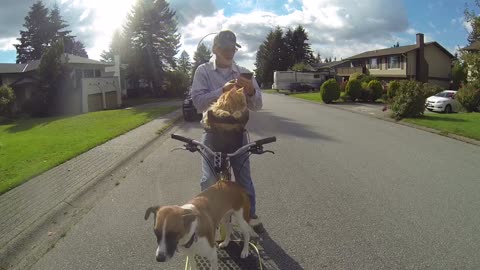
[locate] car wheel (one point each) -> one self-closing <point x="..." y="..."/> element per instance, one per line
<point x="448" y="109"/>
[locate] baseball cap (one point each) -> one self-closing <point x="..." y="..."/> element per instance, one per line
<point x="226" y="38"/>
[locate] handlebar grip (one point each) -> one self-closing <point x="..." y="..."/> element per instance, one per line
<point x="266" y="140"/>
<point x="181" y="138"/>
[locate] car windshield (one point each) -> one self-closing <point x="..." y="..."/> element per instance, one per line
<point x="444" y="94"/>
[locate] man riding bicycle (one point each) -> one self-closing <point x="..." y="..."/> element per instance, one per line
<point x="209" y="82"/>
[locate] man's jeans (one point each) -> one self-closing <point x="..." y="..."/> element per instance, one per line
<point x="242" y="177"/>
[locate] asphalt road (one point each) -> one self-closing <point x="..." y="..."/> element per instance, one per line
<point x="343" y="191"/>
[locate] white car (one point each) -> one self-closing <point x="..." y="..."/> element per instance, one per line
<point x="443" y="102"/>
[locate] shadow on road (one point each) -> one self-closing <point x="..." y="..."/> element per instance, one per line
<point x="269" y="124"/>
<point x="274" y="257"/>
<point x="264" y="124"/>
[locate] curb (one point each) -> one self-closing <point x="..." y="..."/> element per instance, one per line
<point x="54" y="224"/>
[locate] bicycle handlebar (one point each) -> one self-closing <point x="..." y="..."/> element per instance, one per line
<point x="241" y="150"/>
<point x="181" y="138"/>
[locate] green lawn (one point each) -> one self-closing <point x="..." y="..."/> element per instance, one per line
<point x="464" y="124"/>
<point x="30" y="147"/>
<point x="272" y="91"/>
<point x="315" y="96"/>
<point x="130" y="102"/>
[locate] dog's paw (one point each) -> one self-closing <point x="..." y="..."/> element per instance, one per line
<point x="244" y="253"/>
<point x="224" y="244"/>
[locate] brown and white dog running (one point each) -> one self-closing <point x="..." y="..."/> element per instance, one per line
<point x="191" y="228"/>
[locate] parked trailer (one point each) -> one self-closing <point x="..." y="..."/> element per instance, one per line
<point x="297" y="81"/>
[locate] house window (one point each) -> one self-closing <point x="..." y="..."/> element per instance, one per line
<point x="97" y="73"/>
<point x="373" y="63"/>
<point x="394" y="61"/>
<point x="316" y="76"/>
<point x="88" y="73"/>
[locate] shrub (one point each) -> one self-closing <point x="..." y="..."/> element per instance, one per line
<point x="409" y="100"/>
<point x="356" y="76"/>
<point x="469" y="97"/>
<point x="353" y="89"/>
<point x="368" y="78"/>
<point x="365" y="93"/>
<point x="392" y="89"/>
<point x="330" y="91"/>
<point x="7" y="98"/>
<point x="362" y="77"/>
<point x="376" y="89"/>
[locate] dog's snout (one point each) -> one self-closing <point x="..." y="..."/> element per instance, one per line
<point x="161" y="258"/>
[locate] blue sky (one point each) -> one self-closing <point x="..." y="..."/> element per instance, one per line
<point x="337" y="28"/>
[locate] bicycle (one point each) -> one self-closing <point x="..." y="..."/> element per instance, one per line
<point x="222" y="170"/>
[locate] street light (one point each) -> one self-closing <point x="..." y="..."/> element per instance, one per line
<point x="214" y="33"/>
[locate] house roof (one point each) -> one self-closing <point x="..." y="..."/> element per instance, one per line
<point x="475" y="46"/>
<point x="33" y="65"/>
<point x="73" y="59"/>
<point x="329" y="64"/>
<point x="397" y="50"/>
<point x="11" y="68"/>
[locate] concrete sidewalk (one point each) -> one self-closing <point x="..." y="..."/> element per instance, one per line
<point x="26" y="209"/>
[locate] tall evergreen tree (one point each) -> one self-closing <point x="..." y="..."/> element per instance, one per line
<point x="298" y="47"/>
<point x="36" y="38"/>
<point x="201" y="55"/>
<point x="271" y="55"/>
<point x="318" y="59"/>
<point x="184" y="65"/>
<point x="117" y="47"/>
<point x="58" y="32"/>
<point x="151" y="30"/>
<point x="474" y="20"/>
<point x="75" y="47"/>
<point x="57" y="27"/>
<point x="44" y="28"/>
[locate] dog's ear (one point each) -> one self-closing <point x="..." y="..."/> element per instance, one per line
<point x="188" y="217"/>
<point x="150" y="210"/>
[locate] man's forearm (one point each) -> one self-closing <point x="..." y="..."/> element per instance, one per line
<point x="202" y="99"/>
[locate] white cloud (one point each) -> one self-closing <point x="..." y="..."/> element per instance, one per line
<point x="338" y="28"/>
<point x="6" y="44"/>
<point x="467" y="26"/>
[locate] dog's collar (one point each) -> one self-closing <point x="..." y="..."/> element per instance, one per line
<point x="190" y="242"/>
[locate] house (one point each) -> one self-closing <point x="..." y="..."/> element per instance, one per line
<point x="423" y="61"/>
<point x="93" y="85"/>
<point x="330" y="68"/>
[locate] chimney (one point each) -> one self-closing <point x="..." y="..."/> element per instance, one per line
<point x="420" y="40"/>
<point x="422" y="66"/>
